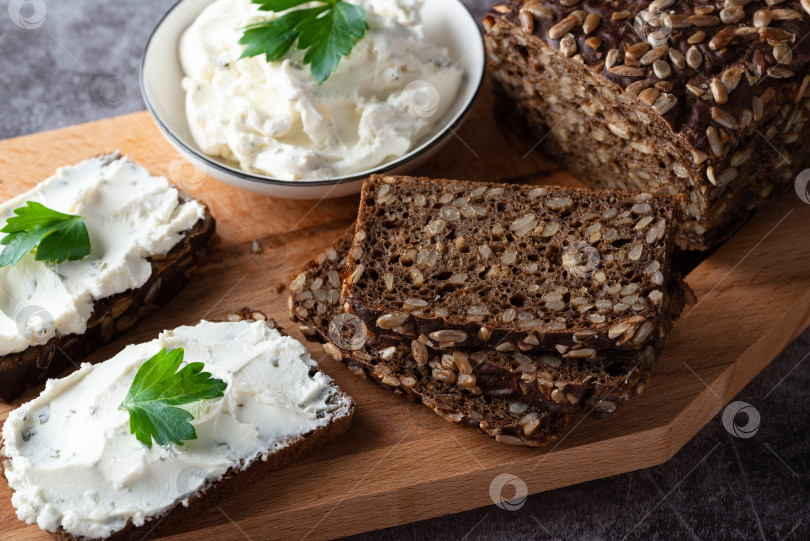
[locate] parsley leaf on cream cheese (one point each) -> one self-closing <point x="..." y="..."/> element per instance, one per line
<point x="55" y="236"/>
<point x="156" y="391"/>
<point x="327" y="32"/>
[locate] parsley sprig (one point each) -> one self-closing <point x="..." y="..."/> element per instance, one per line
<point x="327" y="32"/>
<point x="55" y="236"/>
<point x="157" y="388"/>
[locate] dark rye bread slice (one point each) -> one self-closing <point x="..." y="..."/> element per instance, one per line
<point x="598" y="383"/>
<point x="234" y="480"/>
<point x="111" y="316"/>
<point x="512" y="266"/>
<point x="506" y="421"/>
<point x="664" y="95"/>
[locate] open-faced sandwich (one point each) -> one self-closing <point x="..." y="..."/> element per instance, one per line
<point x="85" y="255"/>
<point x="127" y="448"/>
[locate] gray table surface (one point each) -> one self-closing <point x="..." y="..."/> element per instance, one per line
<point x="80" y="63"/>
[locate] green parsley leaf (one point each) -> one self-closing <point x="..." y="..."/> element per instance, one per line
<point x="274" y="38"/>
<point x="157" y="388"/>
<point x="327" y="33"/>
<point x="282" y="5"/>
<point x="55" y="236"/>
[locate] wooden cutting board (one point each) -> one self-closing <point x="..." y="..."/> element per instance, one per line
<point x="401" y="463"/>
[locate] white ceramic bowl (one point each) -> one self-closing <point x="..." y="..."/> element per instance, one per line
<point x="447" y="23"/>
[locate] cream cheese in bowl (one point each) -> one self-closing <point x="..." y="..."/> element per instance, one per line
<point x="272" y="118"/>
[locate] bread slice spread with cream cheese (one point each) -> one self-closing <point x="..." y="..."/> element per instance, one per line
<point x="146" y="239"/>
<point x="78" y="472"/>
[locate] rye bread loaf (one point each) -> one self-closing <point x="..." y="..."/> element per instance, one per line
<point x="112" y="315"/>
<point x="702" y="98"/>
<point x="234" y="480"/>
<point x="600" y="384"/>
<point x="515" y="267"/>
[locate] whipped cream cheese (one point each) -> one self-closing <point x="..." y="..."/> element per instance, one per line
<point x="274" y="119"/>
<point x="73" y="463"/>
<point x="130" y="215"/>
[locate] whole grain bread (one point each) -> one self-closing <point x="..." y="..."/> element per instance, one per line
<point x="234" y="479"/>
<point x="600" y="384"/>
<point x="112" y="315"/>
<point x="344" y="339"/>
<point x="514" y="267"/>
<point x="508" y="422"/>
<point x="706" y="99"/>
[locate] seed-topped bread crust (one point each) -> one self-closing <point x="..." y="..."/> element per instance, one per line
<point x="664" y="95"/>
<point x="596" y="382"/>
<point x="459" y="264"/>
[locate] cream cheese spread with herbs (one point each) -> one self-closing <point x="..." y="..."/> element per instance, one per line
<point x="130" y="215"/>
<point x="73" y="463"/>
<point x="274" y="119"/>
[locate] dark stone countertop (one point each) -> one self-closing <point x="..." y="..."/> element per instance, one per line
<point x="81" y="63"/>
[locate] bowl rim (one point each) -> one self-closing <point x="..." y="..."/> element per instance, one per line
<point x="243" y="175"/>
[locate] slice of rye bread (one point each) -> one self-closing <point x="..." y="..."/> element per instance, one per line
<point x="512" y="423"/>
<point x="600" y="384"/>
<point x="112" y="315"/>
<point x="597" y="382"/>
<point x="507" y="421"/>
<point x="474" y="264"/>
<point x="234" y="480"/>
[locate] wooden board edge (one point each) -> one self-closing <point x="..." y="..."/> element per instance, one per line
<point x="722" y="389"/>
<point x="464" y="492"/>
